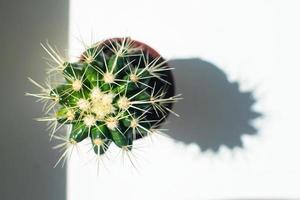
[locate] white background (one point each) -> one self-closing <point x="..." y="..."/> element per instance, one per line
<point x="256" y="43"/>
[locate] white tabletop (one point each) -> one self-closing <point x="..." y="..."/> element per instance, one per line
<point x="254" y="47"/>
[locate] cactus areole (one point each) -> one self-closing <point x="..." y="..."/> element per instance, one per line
<point x="119" y="91"/>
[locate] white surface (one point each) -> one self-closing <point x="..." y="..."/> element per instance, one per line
<point x="256" y="43"/>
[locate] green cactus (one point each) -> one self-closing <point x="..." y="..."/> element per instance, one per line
<point x="119" y="91"/>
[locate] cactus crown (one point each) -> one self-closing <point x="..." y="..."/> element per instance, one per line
<point x="117" y="92"/>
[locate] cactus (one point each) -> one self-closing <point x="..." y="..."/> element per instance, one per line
<point x="120" y="90"/>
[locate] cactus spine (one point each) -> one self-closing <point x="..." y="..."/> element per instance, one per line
<point x="117" y="92"/>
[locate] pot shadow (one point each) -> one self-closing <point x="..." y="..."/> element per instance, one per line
<point x="214" y="111"/>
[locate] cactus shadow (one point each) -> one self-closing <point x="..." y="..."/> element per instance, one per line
<point x="214" y="112"/>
